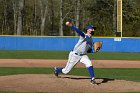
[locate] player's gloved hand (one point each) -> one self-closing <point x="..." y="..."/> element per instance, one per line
<point x="97" y="46"/>
<point x="97" y="49"/>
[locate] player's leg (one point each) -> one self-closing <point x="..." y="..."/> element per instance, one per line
<point x="87" y="62"/>
<point x="73" y="59"/>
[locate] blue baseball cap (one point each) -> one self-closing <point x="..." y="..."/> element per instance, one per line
<point x="90" y="27"/>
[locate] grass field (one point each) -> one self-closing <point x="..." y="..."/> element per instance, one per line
<point x="131" y="74"/>
<point x="19" y="54"/>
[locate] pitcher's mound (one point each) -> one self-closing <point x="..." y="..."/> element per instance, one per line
<point x="65" y="84"/>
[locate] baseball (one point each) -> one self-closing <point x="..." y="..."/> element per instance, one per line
<point x="67" y="23"/>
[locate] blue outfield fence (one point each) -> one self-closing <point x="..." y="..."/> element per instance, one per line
<point x="66" y="43"/>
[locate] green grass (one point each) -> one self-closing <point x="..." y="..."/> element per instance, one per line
<point x="116" y="56"/>
<point x="34" y="54"/>
<point x="21" y="70"/>
<point x="131" y="74"/>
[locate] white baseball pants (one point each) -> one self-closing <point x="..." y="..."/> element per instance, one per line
<point x="74" y="59"/>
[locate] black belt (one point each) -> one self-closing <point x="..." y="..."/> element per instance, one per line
<point x="80" y="54"/>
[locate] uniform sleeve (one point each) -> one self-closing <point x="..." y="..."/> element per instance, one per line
<point x="78" y="31"/>
<point x="90" y="43"/>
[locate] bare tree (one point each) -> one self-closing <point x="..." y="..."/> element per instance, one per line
<point x="44" y="10"/>
<point x="20" y="17"/>
<point x="14" y="2"/>
<point x="77" y="14"/>
<point x="35" y="17"/>
<point x="5" y="21"/>
<point x="83" y="18"/>
<point x="52" y="17"/>
<point x="61" y="18"/>
<point x="114" y="17"/>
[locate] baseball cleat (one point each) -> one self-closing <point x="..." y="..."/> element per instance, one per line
<point x="93" y="81"/>
<point x="55" y="73"/>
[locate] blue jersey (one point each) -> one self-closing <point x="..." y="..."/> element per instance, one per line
<point x="84" y="44"/>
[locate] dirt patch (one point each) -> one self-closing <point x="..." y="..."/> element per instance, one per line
<point x="65" y="84"/>
<point x="62" y="63"/>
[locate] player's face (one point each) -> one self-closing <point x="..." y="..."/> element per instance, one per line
<point x="90" y="31"/>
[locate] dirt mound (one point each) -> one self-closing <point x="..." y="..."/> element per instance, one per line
<point x="65" y="84"/>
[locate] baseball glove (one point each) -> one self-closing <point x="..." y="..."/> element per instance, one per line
<point x="97" y="46"/>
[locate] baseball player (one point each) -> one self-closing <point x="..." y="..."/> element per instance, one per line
<point x="79" y="53"/>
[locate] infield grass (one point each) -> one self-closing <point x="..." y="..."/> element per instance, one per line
<point x="35" y="54"/>
<point x="131" y="74"/>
